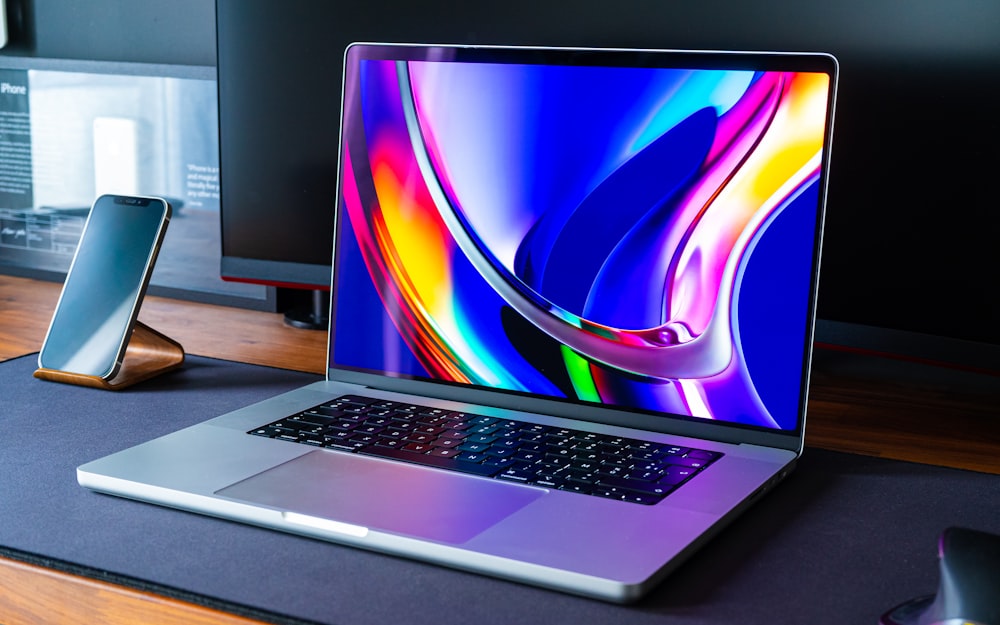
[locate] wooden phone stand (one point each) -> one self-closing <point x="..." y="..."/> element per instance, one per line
<point x="147" y="355"/>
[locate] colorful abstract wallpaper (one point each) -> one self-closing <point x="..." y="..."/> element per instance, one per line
<point x="635" y="237"/>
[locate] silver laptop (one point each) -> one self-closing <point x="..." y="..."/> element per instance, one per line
<point x="571" y="319"/>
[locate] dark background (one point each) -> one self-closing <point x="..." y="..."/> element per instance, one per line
<point x="913" y="214"/>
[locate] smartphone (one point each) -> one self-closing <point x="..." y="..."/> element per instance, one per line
<point x="107" y="279"/>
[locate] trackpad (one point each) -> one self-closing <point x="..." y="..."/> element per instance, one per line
<point x="383" y="495"/>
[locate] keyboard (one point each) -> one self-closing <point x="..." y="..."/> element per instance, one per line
<point x="615" y="467"/>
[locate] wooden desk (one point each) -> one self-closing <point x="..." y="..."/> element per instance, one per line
<point x="862" y="405"/>
<point x="220" y="332"/>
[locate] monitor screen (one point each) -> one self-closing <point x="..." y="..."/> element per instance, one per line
<point x="636" y="230"/>
<point x="279" y="99"/>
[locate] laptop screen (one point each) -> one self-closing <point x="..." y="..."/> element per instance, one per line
<point x="635" y="230"/>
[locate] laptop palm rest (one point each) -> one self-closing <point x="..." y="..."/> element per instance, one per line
<point x="386" y="496"/>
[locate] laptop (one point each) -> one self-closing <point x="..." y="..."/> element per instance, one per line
<point x="571" y="316"/>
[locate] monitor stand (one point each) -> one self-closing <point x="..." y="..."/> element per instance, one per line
<point x="307" y="310"/>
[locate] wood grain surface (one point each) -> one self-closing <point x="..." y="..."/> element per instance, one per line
<point x="217" y="331"/>
<point x="33" y="595"/>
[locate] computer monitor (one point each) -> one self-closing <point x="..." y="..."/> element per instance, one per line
<point x="909" y="255"/>
<point x="279" y="90"/>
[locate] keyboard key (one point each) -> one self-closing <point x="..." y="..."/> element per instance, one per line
<point x="688" y="461"/>
<point x="609" y="493"/>
<point x="579" y="477"/>
<point x="642" y="498"/>
<point x="347" y="445"/>
<point x="677" y="474"/>
<point x="549" y="480"/>
<point x="516" y="474"/>
<point x="648" y="488"/>
<point x="472" y="456"/>
<point x="576" y="488"/>
<point x="313" y="418"/>
<point x="342" y="425"/>
<point x="642" y="467"/>
<point x="421" y="438"/>
<point x="452" y="464"/>
<point x="325" y="411"/>
<point x="432" y="430"/>
<point x="499" y="463"/>
<point x="671" y="450"/>
<point x="534" y="428"/>
<point x="698" y="453"/>
<point x="481" y="438"/>
<point x="500" y="452"/>
<point x="364" y="438"/>
<point x="528" y="456"/>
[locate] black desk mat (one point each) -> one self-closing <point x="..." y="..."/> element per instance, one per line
<point x="842" y="540"/>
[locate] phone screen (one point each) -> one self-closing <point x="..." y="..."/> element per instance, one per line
<point x="104" y="285"/>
